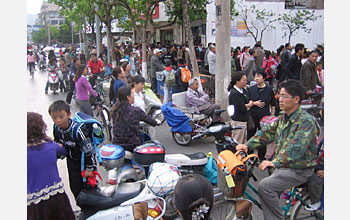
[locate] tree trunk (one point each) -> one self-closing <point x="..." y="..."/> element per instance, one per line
<point x="144" y="53"/>
<point x="189" y="35"/>
<point x="110" y="42"/>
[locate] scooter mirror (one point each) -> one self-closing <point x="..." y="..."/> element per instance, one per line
<point x="231" y="110"/>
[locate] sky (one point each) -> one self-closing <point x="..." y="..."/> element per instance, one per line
<point x="33" y="6"/>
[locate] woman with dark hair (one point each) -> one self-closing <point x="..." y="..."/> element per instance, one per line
<point x="126" y="119"/>
<point x="262" y="97"/>
<point x="82" y="88"/>
<point x="138" y="83"/>
<point x="118" y="80"/>
<point x="126" y="67"/>
<point x="194" y="197"/>
<point x="239" y="98"/>
<point x="46" y="198"/>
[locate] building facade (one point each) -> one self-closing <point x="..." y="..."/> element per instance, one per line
<point x="50" y="14"/>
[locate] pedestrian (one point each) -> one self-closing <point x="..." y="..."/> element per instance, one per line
<point x="194" y="197"/>
<point x="250" y="65"/>
<point x="130" y="56"/>
<point x="262" y="96"/>
<point x="96" y="68"/>
<point x="184" y="54"/>
<point x="239" y="98"/>
<point x="67" y="57"/>
<point x="117" y="55"/>
<point x="52" y="65"/>
<point x="308" y="74"/>
<point x="156" y="66"/>
<point x="320" y="72"/>
<point x="82" y="57"/>
<point x="260" y="54"/>
<point x="75" y="146"/>
<point x="167" y="88"/>
<point x="138" y="83"/>
<point x="31" y="61"/>
<point x="118" y="80"/>
<point x="83" y="87"/>
<point x="212" y="59"/>
<point x="293" y="66"/>
<point x="244" y="57"/>
<point x="270" y="66"/>
<point x="72" y="71"/>
<point x="295" y="134"/>
<point x="46" y="198"/>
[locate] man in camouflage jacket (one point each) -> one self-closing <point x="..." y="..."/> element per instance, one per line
<point x="295" y="156"/>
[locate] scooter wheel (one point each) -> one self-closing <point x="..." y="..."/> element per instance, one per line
<point x="171" y="211"/>
<point x="182" y="138"/>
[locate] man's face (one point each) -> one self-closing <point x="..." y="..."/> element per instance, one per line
<point x="61" y="118"/>
<point x="77" y="63"/>
<point x="122" y="77"/>
<point x="313" y="57"/>
<point x="286" y="101"/>
<point x="93" y="57"/>
<point x="194" y="86"/>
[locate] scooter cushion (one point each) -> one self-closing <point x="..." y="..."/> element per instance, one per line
<point x="197" y="159"/>
<point x="97" y="200"/>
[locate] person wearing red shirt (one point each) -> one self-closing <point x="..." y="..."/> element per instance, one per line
<point x="95" y="68"/>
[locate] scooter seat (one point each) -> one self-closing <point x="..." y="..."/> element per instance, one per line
<point x="95" y="199"/>
<point x="197" y="159"/>
<point x="219" y="111"/>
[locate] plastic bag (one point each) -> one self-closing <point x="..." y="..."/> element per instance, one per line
<point x="210" y="169"/>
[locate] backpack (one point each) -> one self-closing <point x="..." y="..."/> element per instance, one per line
<point x="170" y="78"/>
<point x="185" y="75"/>
<point x="88" y="121"/>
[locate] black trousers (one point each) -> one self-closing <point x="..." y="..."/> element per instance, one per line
<point x="251" y="132"/>
<point x="154" y="85"/>
<point x="71" y="90"/>
<point x="74" y="175"/>
<point x="93" y="78"/>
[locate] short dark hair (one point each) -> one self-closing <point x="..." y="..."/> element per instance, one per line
<point x="138" y="79"/>
<point x="294" y="88"/>
<point x="260" y="71"/>
<point x="237" y="77"/>
<point x="181" y="61"/>
<point x="59" y="105"/>
<point x="168" y="62"/>
<point x="313" y="51"/>
<point x="251" y="51"/>
<point x="286" y="45"/>
<point x="299" y="47"/>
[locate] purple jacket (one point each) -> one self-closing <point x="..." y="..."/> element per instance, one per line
<point x="43" y="179"/>
<point x="195" y="99"/>
<point x="82" y="87"/>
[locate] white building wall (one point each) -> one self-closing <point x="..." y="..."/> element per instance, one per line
<point x="272" y="39"/>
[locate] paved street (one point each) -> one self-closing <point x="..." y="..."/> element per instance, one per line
<point x="39" y="102"/>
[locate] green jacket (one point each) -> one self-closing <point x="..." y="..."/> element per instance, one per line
<point x="296" y="144"/>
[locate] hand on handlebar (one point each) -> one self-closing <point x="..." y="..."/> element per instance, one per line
<point x="265" y="164"/>
<point x="159" y="122"/>
<point x="242" y="147"/>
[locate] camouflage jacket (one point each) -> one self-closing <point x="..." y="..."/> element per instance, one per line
<point x="296" y="145"/>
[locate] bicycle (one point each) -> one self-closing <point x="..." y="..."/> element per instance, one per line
<point x="225" y="208"/>
<point x="101" y="110"/>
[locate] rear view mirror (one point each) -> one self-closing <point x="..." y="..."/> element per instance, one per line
<point x="231" y="110"/>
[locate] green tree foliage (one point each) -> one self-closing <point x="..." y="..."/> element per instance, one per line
<point x="41" y="35"/>
<point x="296" y="20"/>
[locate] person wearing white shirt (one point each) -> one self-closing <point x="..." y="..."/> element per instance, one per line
<point x="138" y="84"/>
<point x="212" y="59"/>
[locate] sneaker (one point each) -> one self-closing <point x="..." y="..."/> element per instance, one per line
<point x="312" y="207"/>
<point x="45" y="92"/>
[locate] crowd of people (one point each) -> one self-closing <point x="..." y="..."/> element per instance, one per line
<point x="263" y="83"/>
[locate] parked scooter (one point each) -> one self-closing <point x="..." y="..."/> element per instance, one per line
<point x="53" y="79"/>
<point x="118" y="201"/>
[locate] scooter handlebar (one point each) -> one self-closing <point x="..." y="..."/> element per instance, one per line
<point x="197" y="136"/>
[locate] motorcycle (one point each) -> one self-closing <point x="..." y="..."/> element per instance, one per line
<point x="184" y="121"/>
<point x="121" y="200"/>
<point x="53" y="79"/>
<point x="152" y="103"/>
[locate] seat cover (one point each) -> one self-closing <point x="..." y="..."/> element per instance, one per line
<point x="95" y="199"/>
<point x="197" y="159"/>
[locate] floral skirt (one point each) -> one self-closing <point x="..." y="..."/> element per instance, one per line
<point x="55" y="208"/>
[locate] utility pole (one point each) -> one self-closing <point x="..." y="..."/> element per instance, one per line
<point x="223" y="57"/>
<point x="72" y="32"/>
<point x="97" y="19"/>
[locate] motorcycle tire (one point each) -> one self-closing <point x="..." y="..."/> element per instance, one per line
<point x="171" y="211"/>
<point x="106" y="122"/>
<point x="182" y="139"/>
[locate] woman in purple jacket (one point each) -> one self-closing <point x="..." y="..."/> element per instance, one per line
<point x="82" y="88"/>
<point x="46" y="198"/>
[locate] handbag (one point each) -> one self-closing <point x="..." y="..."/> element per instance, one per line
<point x="210" y="169"/>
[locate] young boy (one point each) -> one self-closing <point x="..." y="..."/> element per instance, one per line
<point x="75" y="145"/>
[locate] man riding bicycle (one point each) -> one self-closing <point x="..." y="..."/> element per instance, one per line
<point x="295" y="156"/>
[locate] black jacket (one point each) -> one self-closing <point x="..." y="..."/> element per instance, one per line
<point x="239" y="100"/>
<point x="292" y="69"/>
<point x="265" y="95"/>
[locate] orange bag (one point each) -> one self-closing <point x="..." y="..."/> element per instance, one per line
<point x="232" y="173"/>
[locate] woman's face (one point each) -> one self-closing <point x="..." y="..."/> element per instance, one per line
<point x="139" y="86"/>
<point x="242" y="83"/>
<point x="258" y="78"/>
<point x="85" y="71"/>
<point x="131" y="98"/>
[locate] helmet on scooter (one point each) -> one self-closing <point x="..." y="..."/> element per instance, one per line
<point x="162" y="178"/>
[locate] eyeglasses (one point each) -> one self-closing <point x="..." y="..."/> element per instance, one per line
<point x="282" y="96"/>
